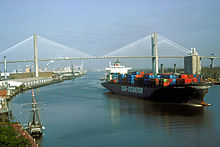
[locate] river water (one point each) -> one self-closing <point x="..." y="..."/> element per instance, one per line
<point x="81" y="113"/>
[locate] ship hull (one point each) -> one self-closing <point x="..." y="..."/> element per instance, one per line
<point x="191" y="94"/>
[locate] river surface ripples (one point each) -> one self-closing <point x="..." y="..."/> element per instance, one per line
<point x="82" y="113"/>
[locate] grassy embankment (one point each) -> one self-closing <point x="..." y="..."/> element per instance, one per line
<point x="9" y="138"/>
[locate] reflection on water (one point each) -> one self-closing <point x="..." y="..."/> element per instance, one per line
<point x="164" y="115"/>
<point x="38" y="140"/>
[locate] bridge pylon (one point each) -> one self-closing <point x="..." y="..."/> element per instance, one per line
<point x="36" y="56"/>
<point x="154" y="53"/>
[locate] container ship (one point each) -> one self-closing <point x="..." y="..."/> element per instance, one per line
<point x="175" y="88"/>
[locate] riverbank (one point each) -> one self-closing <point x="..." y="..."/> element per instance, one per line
<point x="26" y="84"/>
<point x="16" y="86"/>
<point x="20" y="130"/>
<point x="7" y="94"/>
<point x="12" y="134"/>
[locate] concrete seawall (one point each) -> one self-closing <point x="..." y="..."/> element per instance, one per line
<point x="34" y="82"/>
<point x="18" y="85"/>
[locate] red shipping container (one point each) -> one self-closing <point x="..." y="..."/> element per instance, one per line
<point x="142" y="73"/>
<point x="190" y="76"/>
<point x="183" y="76"/>
<point x="170" y="80"/>
<point x="194" y="80"/>
<point x="187" y="81"/>
<point x="166" y="83"/>
<point x="139" y="76"/>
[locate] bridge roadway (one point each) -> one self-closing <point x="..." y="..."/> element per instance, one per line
<point x="109" y="57"/>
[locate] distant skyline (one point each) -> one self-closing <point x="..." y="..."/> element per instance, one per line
<point x="100" y="26"/>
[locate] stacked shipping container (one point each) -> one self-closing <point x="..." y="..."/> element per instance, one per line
<point x="152" y="80"/>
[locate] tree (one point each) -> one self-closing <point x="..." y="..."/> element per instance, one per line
<point x="9" y="138"/>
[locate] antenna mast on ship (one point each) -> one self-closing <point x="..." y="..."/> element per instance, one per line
<point x="35" y="111"/>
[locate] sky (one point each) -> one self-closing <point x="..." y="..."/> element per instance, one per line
<point x="101" y="26"/>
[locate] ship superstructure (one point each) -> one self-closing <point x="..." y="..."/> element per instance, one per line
<point x="117" y="68"/>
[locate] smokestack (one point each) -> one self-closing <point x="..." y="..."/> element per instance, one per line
<point x="162" y="69"/>
<point x="174" y="68"/>
<point x="212" y="63"/>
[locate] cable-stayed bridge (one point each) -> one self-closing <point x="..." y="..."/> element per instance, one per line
<point x="54" y="55"/>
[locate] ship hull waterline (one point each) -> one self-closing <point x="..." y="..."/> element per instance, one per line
<point x="184" y="94"/>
